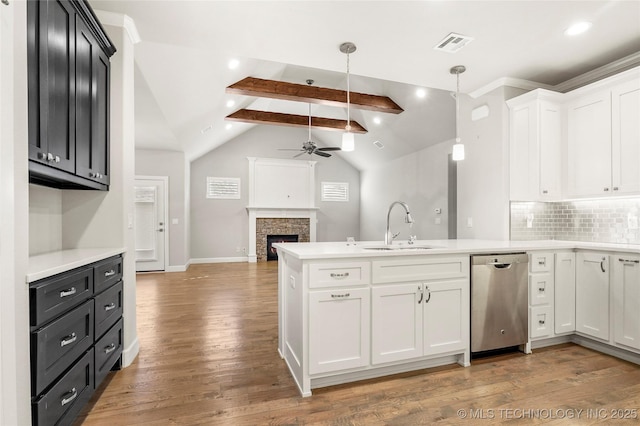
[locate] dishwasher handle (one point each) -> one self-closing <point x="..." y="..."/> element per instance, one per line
<point x="500" y="265"/>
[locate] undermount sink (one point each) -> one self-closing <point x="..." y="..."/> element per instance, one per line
<point x="400" y="247"/>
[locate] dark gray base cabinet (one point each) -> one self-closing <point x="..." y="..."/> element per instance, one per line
<point x="76" y="338"/>
<point x="68" y="60"/>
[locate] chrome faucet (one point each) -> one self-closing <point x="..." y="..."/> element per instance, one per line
<point x="388" y="236"/>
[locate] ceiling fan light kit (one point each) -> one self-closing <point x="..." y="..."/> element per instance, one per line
<point x="458" y="148"/>
<point x="348" y="140"/>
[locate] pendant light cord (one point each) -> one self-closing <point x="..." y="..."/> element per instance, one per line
<point x="309" y="122"/>
<point x="348" y="97"/>
<point x="458" y="107"/>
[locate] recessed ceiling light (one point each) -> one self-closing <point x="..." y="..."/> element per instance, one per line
<point x="228" y="126"/>
<point x="421" y="93"/>
<point x="577" y="28"/>
<point x="233" y="64"/>
<point x="377" y="120"/>
<point x="230" y="103"/>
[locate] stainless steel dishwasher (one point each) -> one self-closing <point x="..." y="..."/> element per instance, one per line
<point x="499" y="301"/>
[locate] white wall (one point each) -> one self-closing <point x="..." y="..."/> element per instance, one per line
<point x="45" y="219"/>
<point x="219" y="226"/>
<point x="171" y="164"/>
<point x="420" y="180"/>
<point x="483" y="176"/>
<point x="14" y="218"/>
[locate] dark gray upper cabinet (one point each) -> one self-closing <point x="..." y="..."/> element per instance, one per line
<point x="68" y="60"/>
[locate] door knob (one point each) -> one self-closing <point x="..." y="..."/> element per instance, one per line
<point x="160" y="230"/>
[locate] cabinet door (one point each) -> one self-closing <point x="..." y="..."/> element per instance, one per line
<point x="396" y="322"/>
<point x="625" y="130"/>
<point x="592" y="294"/>
<point x="52" y="138"/>
<point x="541" y="289"/>
<point x="549" y="138"/>
<point x="626" y="300"/>
<point x="92" y="100"/>
<point x="541" y="321"/>
<point x="565" y="293"/>
<point x="446" y="316"/>
<point x="523" y="152"/>
<point x="339" y="329"/>
<point x="589" y="145"/>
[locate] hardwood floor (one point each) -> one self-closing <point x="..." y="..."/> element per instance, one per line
<point x="208" y="356"/>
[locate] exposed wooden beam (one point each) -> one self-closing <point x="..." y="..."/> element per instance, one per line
<point x="281" y="119"/>
<point x="251" y="86"/>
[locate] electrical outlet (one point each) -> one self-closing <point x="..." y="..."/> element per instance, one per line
<point x="237" y="249"/>
<point x="438" y="221"/>
<point x="469" y="222"/>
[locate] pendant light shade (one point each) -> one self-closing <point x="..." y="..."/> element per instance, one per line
<point x="348" y="140"/>
<point x="458" y="148"/>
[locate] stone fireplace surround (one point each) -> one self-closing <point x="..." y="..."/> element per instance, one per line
<point x="262" y="222"/>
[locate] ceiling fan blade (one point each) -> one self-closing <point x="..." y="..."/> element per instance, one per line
<point x="330" y="148"/>
<point x="289" y="149"/>
<point x="298" y="155"/>
<point x="321" y="154"/>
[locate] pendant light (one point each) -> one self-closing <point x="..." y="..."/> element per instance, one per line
<point x="348" y="141"/>
<point x="458" y="147"/>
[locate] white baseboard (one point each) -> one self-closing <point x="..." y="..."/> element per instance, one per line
<point x="219" y="260"/>
<point x="176" y="268"/>
<point x="130" y="353"/>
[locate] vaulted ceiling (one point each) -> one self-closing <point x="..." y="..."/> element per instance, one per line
<point x="182" y="61"/>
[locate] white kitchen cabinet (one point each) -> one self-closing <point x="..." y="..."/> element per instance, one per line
<point x="541" y="295"/>
<point x="625" y="280"/>
<point x="446" y="317"/>
<point x="565" y="293"/>
<point x="339" y="329"/>
<point x="625" y="131"/>
<point x="592" y="294"/>
<point x="589" y="145"/>
<point x="603" y="141"/>
<point x="396" y="322"/>
<point x="425" y="312"/>
<point x="535" y="146"/>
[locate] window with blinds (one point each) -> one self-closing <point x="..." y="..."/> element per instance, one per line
<point x="223" y="188"/>
<point x="335" y="191"/>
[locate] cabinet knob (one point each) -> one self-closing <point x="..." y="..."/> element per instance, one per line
<point x="57" y="159"/>
<point x="615" y="188"/>
<point x="544" y="191"/>
<point x="606" y="190"/>
<point x="49" y="156"/>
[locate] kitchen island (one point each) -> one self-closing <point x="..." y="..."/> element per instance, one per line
<point x="352" y="311"/>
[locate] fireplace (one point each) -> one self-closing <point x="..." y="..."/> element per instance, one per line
<point x="272" y="253"/>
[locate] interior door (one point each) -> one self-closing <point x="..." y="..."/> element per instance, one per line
<point x="150" y="223"/>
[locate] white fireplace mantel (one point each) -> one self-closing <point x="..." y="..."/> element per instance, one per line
<point x="270" y="213"/>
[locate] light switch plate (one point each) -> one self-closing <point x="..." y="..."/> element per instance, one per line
<point x="174" y="221"/>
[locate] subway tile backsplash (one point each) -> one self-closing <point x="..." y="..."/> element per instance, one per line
<point x="605" y="221"/>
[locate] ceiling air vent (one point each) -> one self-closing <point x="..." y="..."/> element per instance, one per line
<point x="453" y="42"/>
<point x="379" y="144"/>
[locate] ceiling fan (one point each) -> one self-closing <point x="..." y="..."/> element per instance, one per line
<point x="310" y="146"/>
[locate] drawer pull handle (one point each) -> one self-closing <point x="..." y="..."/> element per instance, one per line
<point x="339" y="296"/>
<point x="68" y="292"/>
<point x="110" y="348"/>
<point x="542" y="262"/>
<point x="109" y="307"/>
<point x="109" y="273"/>
<point x="428" y="294"/>
<point x="67" y="340"/>
<point x="629" y="260"/>
<point x="73" y="393"/>
<point x="343" y="275"/>
<point x="541" y="322"/>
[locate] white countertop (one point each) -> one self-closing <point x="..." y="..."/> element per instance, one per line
<point x="48" y="264"/>
<point x="333" y="250"/>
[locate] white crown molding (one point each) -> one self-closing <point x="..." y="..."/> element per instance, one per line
<point x="511" y="82"/>
<point x="589" y="77"/>
<point x="120" y="20"/>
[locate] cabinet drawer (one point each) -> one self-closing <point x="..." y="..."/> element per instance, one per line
<point x="107" y="352"/>
<point x="419" y="269"/>
<point x="53" y="296"/>
<point x="66" y="398"/>
<point x="107" y="273"/>
<point x="57" y="345"/>
<point x="541" y="318"/>
<point x="540" y="289"/>
<point x="108" y="308"/>
<point x="541" y="262"/>
<point x="339" y="274"/>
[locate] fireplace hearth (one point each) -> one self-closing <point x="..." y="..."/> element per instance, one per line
<point x="272" y="253"/>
